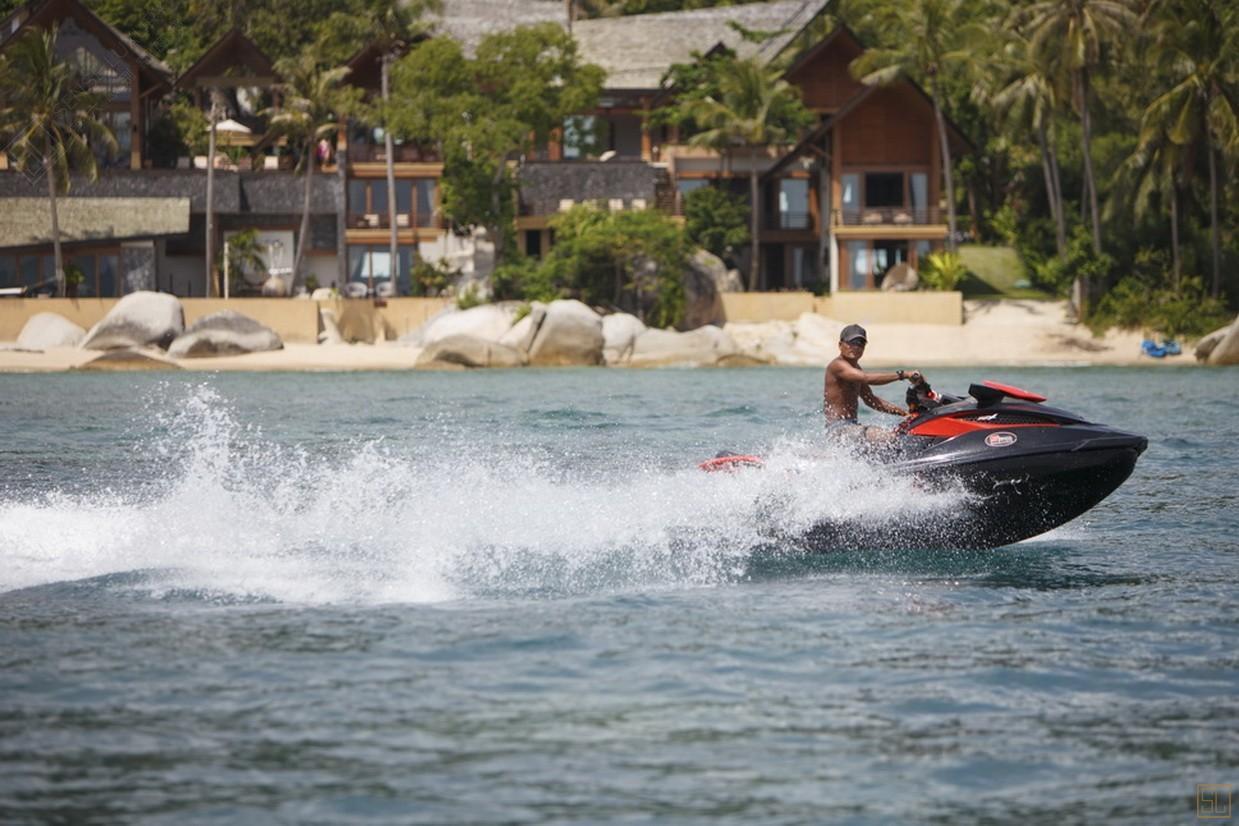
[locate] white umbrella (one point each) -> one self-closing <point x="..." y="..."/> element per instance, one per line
<point x="231" y="132"/>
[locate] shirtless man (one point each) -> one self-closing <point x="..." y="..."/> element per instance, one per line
<point x="846" y="382"/>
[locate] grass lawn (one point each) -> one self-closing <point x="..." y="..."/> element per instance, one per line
<point x="996" y="272"/>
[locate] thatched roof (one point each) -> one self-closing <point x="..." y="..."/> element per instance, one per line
<point x="263" y="193"/>
<point x="28" y="221"/>
<point x="546" y="186"/>
<point x="637" y="51"/>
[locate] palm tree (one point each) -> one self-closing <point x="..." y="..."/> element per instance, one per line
<point x="216" y="114"/>
<point x="1153" y="172"/>
<point x="929" y="34"/>
<point x="1072" y="33"/>
<point x="390" y="27"/>
<point x="755" y="108"/>
<point x="1028" y="100"/>
<point x="1197" y="42"/>
<point x="55" y="120"/>
<point x="315" y="105"/>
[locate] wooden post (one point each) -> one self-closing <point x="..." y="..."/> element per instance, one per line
<point x="135" y="119"/>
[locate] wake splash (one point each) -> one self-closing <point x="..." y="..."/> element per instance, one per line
<point x="238" y="517"/>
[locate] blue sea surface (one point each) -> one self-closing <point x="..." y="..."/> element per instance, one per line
<point x="510" y="597"/>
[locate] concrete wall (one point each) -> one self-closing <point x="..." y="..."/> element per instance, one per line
<point x="84" y="312"/>
<point x="767" y="306"/>
<point x="360" y="320"/>
<point x="894" y="308"/>
<point x="296" y="320"/>
<point x="862" y="307"/>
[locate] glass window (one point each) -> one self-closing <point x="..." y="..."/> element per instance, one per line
<point x="851" y="191"/>
<point x="108" y="267"/>
<point x="918" y="188"/>
<point x="374" y="262"/>
<point x="884" y="189"/>
<point x="794" y="203"/>
<point x="378" y="197"/>
<point x="799" y="272"/>
<point x="404" y="196"/>
<point x="580" y="136"/>
<point x="31" y="270"/>
<point x="859" y="263"/>
<point x="8" y="272"/>
<point x="85" y="263"/>
<point x="425" y="201"/>
<point x="358" y="264"/>
<point x="357" y="197"/>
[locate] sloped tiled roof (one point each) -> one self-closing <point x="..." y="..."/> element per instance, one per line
<point x="636" y="51"/>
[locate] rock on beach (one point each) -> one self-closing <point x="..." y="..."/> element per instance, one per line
<point x="46" y="330"/>
<point x="138" y="320"/>
<point x="226" y="333"/>
<point x="570" y="334"/>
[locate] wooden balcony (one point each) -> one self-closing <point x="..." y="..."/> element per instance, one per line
<point x="379" y="220"/>
<point x="887" y="216"/>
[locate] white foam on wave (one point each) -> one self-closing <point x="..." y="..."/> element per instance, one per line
<point x="242" y="517"/>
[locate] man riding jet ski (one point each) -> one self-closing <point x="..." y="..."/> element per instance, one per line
<point x="1025" y="468"/>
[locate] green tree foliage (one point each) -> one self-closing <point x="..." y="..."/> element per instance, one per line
<point x="943" y="271"/>
<point x="54" y="121"/>
<point x="316" y="103"/>
<point x="716" y="220"/>
<point x="485" y="112"/>
<point x="632" y="260"/>
<point x="744" y="106"/>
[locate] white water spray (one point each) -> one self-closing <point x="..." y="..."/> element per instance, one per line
<point x="241" y="517"/>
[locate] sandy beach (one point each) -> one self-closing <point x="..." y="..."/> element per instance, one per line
<point x="1006" y="333"/>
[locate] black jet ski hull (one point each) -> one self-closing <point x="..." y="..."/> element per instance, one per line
<point x="1006" y="500"/>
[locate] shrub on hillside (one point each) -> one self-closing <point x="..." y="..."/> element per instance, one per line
<point x="943" y="271"/>
<point x="1137" y="303"/>
<point x="716" y="220"/>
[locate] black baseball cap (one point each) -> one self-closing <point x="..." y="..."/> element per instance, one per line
<point x="852" y="332"/>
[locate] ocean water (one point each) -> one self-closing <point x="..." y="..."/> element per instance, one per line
<point x="510" y="597"/>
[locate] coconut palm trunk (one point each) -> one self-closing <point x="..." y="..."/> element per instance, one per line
<point x="388" y="151"/>
<point x="1090" y="181"/>
<point x="946" y="166"/>
<point x="1051" y="191"/>
<point x="57" y="255"/>
<point x="210" y="203"/>
<point x="1174" y="232"/>
<point x="1213" y="225"/>
<point x="303" y="240"/>
<point x="755" y="221"/>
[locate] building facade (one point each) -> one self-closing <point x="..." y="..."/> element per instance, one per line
<point x="855" y="196"/>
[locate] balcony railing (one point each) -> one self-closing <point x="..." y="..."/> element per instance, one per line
<point x="378" y="220"/>
<point x="366" y="152"/>
<point x="887" y="216"/>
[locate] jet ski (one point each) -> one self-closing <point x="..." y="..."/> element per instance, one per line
<point x="1024" y="468"/>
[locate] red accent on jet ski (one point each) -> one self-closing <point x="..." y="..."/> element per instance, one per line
<point x="949" y="426"/>
<point x="1014" y="392"/>
<point x="730" y="463"/>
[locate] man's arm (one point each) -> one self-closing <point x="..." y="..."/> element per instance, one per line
<point x="873" y="401"/>
<point x="848" y="373"/>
